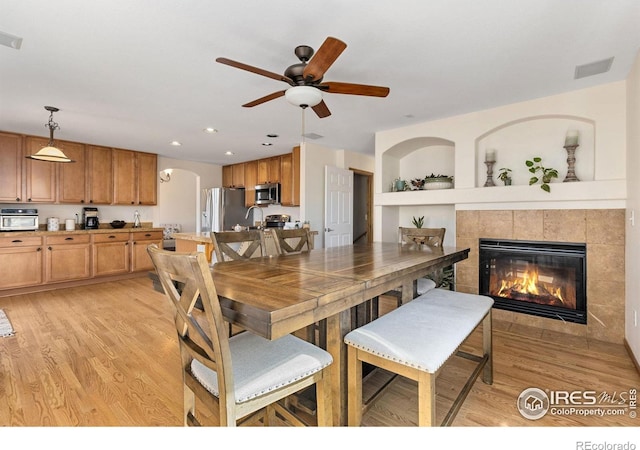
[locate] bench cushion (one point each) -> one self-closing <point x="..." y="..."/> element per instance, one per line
<point x="425" y="332"/>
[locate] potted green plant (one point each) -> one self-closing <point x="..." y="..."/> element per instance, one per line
<point x="418" y="221"/>
<point x="547" y="173"/>
<point x="505" y="176"/>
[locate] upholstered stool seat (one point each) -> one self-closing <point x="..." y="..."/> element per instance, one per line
<point x="261" y="366"/>
<point x="415" y="341"/>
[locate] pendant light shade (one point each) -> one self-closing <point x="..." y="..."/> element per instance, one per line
<point x="303" y="96"/>
<point x="51" y="152"/>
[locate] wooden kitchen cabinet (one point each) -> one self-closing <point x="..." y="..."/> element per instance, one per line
<point x="99" y="175"/>
<point x="110" y="254"/>
<point x="11" y="160"/>
<point x="134" y="177"/>
<point x="290" y="178"/>
<point x="67" y="257"/>
<point x="233" y="175"/>
<point x="72" y="177"/>
<point x="21" y="261"/>
<point x="250" y="181"/>
<point x="40" y="176"/>
<point x="269" y="170"/>
<point x="140" y="240"/>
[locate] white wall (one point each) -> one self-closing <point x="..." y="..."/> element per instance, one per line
<point x="632" y="250"/>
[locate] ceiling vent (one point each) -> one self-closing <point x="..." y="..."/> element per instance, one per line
<point x="312" y="136"/>
<point x="594" y="68"/>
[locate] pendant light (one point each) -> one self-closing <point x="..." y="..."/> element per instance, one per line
<point x="50" y="152"/>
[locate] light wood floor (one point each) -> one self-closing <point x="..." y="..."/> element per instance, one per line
<point x="107" y="355"/>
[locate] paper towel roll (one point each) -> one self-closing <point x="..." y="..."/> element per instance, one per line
<point x="69" y="224"/>
<point x="53" y="224"/>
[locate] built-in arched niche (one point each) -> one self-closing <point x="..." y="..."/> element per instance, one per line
<point x="417" y="158"/>
<point x="515" y="142"/>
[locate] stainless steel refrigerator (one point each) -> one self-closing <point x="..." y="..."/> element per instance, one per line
<point x="223" y="209"/>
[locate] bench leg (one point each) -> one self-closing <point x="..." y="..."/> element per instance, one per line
<point x="487" y="346"/>
<point x="426" y="399"/>
<point x="354" y="383"/>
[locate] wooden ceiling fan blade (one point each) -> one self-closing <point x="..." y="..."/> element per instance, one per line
<point x="265" y="99"/>
<point x="321" y="110"/>
<point x="256" y="70"/>
<point x="326" y="55"/>
<point x="336" y="87"/>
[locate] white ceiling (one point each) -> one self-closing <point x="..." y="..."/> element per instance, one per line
<point x="138" y="74"/>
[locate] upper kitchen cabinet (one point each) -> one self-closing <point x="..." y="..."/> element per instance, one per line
<point x="250" y="181"/>
<point x="72" y="177"/>
<point x="269" y="170"/>
<point x="290" y="178"/>
<point x="233" y="175"/>
<point x="134" y="178"/>
<point x="11" y="161"/>
<point x="99" y="175"/>
<point x="40" y="176"/>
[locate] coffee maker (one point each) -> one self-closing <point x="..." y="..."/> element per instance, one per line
<point x="90" y="218"/>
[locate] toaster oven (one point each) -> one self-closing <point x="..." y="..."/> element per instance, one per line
<point x="17" y="219"/>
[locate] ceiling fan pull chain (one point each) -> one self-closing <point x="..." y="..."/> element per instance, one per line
<point x="302" y="135"/>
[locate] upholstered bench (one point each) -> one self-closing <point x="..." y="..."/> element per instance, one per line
<point x="415" y="341"/>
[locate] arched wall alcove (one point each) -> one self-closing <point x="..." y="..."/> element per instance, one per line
<point x="417" y="158"/>
<point x="543" y="136"/>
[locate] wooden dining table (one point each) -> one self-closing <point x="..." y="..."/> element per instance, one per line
<point x="273" y="296"/>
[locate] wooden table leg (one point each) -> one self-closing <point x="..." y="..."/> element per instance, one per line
<point x="338" y="326"/>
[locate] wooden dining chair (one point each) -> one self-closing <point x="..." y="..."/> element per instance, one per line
<point x="241" y="379"/>
<point x="292" y="241"/>
<point x="432" y="237"/>
<point x="248" y="244"/>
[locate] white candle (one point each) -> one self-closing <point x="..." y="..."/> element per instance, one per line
<point x="490" y="154"/>
<point x="571" y="138"/>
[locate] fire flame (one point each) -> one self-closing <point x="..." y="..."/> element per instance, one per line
<point x="528" y="283"/>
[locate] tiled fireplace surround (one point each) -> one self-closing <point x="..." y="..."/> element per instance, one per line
<point x="603" y="230"/>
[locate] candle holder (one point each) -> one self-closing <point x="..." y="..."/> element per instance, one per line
<point x="489" y="181"/>
<point x="571" y="162"/>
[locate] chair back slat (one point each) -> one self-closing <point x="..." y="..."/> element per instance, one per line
<point x="248" y="244"/>
<point x="292" y="241"/>
<point x="433" y="237"/>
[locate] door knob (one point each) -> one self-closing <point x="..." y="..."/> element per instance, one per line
<point x="328" y="230"/>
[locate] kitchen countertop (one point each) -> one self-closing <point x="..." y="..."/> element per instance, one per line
<point x="98" y="231"/>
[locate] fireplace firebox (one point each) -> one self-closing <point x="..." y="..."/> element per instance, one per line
<point x="546" y="279"/>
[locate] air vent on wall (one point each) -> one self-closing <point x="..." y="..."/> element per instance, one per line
<point x="594" y="68"/>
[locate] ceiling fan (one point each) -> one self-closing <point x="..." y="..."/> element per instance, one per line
<point x="305" y="78"/>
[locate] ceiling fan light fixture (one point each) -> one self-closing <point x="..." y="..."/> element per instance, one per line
<point x="50" y="152"/>
<point x="303" y="96"/>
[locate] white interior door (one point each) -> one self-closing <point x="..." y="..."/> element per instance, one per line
<point x="338" y="207"/>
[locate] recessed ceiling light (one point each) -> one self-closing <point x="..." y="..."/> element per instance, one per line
<point x="228" y="153"/>
<point x="272" y="135"/>
<point x="266" y="144"/>
<point x="176" y="143"/>
<point x="210" y="130"/>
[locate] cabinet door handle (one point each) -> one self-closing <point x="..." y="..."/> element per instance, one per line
<point x="49" y="248"/>
<point x="18" y="199"/>
<point x="17" y="240"/>
<point x="68" y="239"/>
<point x="147" y="234"/>
<point x="112" y="237"/>
<point x="39" y="249"/>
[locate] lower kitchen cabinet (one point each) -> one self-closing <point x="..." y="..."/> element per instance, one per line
<point x="140" y="240"/>
<point x="21" y="261"/>
<point x="67" y="257"/>
<point x="110" y="254"/>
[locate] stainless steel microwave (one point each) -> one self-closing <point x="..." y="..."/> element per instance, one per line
<point x="16" y="219"/>
<point x="268" y="194"/>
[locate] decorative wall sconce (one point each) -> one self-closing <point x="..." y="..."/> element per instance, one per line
<point x="165" y="175"/>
